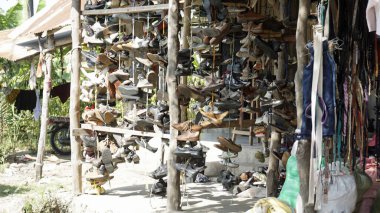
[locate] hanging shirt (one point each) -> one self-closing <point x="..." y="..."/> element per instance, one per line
<point x="62" y="91"/>
<point x="373" y="16"/>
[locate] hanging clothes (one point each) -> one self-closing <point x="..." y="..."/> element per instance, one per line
<point x="327" y="101"/>
<point x="32" y="77"/>
<point x="62" y="91"/>
<point x="373" y="16"/>
<point x="26" y="100"/>
<point x="38" y="109"/>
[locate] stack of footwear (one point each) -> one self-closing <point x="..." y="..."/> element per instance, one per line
<point x="226" y="79"/>
<point x="185" y="63"/>
<point x="230" y="150"/>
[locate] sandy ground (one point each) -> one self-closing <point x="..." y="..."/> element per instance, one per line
<point x="129" y="191"/>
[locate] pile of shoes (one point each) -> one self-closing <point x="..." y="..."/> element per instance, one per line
<point x="159" y="188"/>
<point x="227" y="179"/>
<point x="252" y="185"/>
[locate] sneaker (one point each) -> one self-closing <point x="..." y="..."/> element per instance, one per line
<point x="159" y="188"/>
<point x="160" y="172"/>
<point x="264" y="119"/>
<point x="227" y="155"/>
<point x="144" y="144"/>
<point x="143" y="83"/>
<point x="229" y="163"/>
<point x="145" y="61"/>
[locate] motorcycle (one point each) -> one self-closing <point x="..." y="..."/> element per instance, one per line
<point x="60" y="135"/>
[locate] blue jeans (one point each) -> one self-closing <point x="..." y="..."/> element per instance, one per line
<point x="327" y="101"/>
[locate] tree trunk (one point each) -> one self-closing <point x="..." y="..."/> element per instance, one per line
<point x="303" y="151"/>
<point x="173" y="189"/>
<point x="186" y="21"/>
<point x="74" y="98"/>
<point x="45" y="106"/>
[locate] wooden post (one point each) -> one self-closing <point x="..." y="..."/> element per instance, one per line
<point x="45" y="104"/>
<point x="173" y="190"/>
<point x="303" y="151"/>
<point x="74" y="98"/>
<point x="186" y="21"/>
<point x="273" y="164"/>
<point x="275" y="141"/>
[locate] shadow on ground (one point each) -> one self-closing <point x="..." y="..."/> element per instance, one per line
<point x="6" y="190"/>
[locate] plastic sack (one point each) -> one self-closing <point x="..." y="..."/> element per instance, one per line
<point x="291" y="187"/>
<point x="341" y="195"/>
<point x="270" y="205"/>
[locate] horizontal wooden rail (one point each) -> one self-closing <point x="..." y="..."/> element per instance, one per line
<point x="80" y="131"/>
<point x="124" y="10"/>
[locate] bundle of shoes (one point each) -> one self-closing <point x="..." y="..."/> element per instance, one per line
<point x="191" y="157"/>
<point x="159" y="188"/>
<point x="251" y="184"/>
<point x="227" y="179"/>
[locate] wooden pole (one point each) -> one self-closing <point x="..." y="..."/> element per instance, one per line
<point x="273" y="164"/>
<point x="74" y="98"/>
<point x="303" y="151"/>
<point x="173" y="190"/>
<point x="45" y="104"/>
<point x="186" y="21"/>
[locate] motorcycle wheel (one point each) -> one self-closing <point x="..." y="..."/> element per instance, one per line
<point x="61" y="133"/>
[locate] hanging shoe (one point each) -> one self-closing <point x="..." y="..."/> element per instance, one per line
<point x="142" y="142"/>
<point x="143" y="83"/>
<point x="233" y="147"/>
<point x="189" y="136"/>
<point x="148" y="63"/>
<point x="160" y="172"/>
<point x="216" y="119"/>
<point x="227" y="162"/>
<point x="227" y="155"/>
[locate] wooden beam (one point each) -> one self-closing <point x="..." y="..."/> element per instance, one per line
<point x="173" y="189"/>
<point x="242" y="132"/>
<point x="126" y="10"/>
<point x="230" y="124"/>
<point x="120" y="131"/>
<point x="74" y="98"/>
<point x="303" y="150"/>
<point x="185" y="33"/>
<point x="45" y="105"/>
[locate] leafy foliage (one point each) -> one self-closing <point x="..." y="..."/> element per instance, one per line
<point x="20" y="130"/>
<point x="12" y="18"/>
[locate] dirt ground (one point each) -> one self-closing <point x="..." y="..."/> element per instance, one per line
<point x="129" y="191"/>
